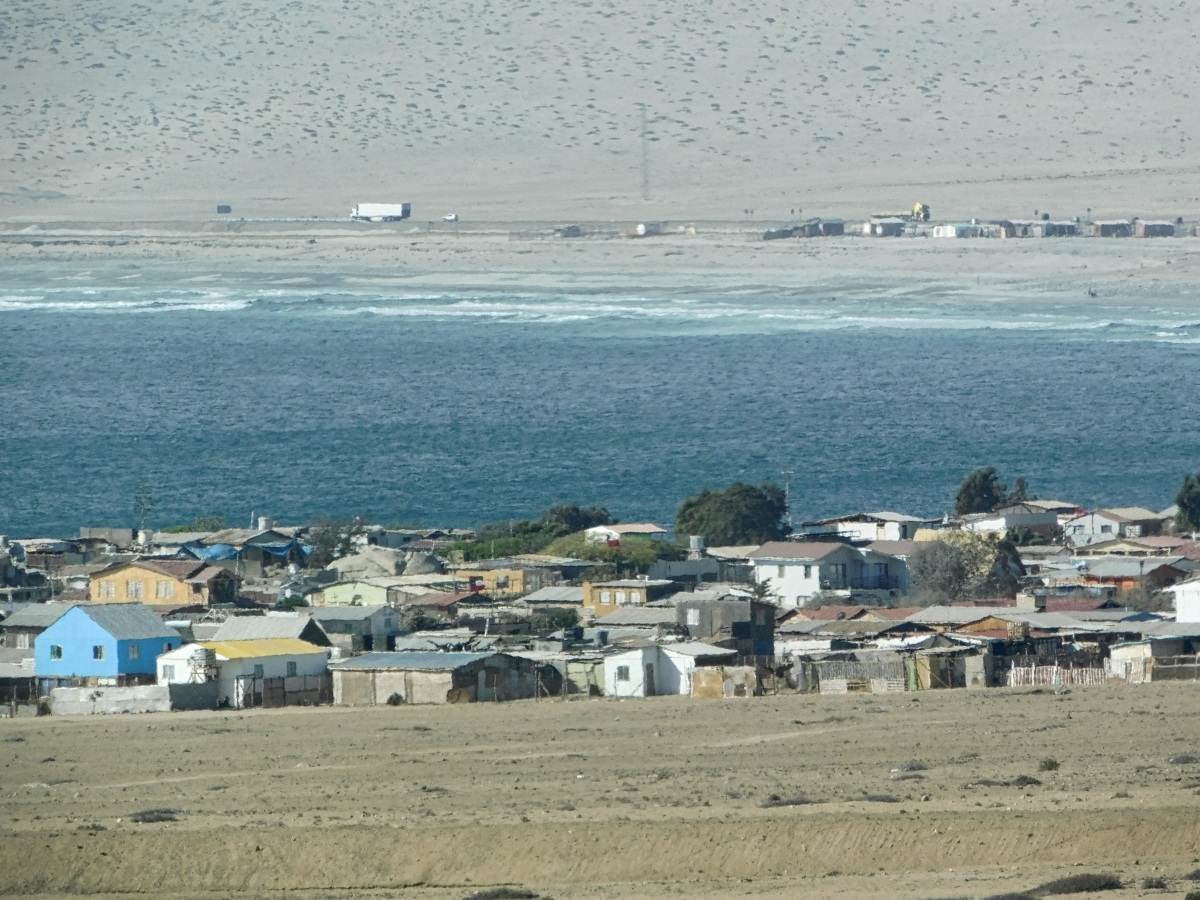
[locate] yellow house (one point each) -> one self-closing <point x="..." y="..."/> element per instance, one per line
<point x="355" y="593"/>
<point x="501" y="583"/>
<point x="163" y="582"/>
<point x="606" y="597"/>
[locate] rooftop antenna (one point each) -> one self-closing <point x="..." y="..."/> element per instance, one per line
<point x="787" y="496"/>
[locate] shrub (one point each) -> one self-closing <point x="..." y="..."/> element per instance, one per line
<point x="1049" y="764"/>
<point x="1081" y="883"/>
<point x="1155" y="884"/>
<point x="155" y="815"/>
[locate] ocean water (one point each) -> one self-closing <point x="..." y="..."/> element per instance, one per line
<point x="295" y="396"/>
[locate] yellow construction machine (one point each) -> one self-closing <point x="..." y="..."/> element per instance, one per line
<point x="919" y="213"/>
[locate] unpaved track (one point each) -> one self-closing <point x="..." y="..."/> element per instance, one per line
<point x="606" y="799"/>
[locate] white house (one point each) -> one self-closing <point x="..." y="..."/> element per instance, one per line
<point x="796" y="570"/>
<point x="1019" y="515"/>
<point x="240" y="667"/>
<point x="869" y="526"/>
<point x="1187" y="600"/>
<point x="632" y="673"/>
<point x="614" y="533"/>
<point x="1106" y="524"/>
<point x="659" y="669"/>
<point x="677" y="663"/>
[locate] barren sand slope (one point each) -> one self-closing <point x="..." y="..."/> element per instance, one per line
<point x="596" y="108"/>
<point x="874" y="796"/>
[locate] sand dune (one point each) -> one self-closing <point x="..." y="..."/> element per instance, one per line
<point x="548" y="108"/>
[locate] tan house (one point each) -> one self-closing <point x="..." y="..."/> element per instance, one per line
<point x="163" y="582"/>
<point x="605" y="597"/>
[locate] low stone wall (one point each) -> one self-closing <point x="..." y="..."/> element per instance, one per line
<point x="91" y="701"/>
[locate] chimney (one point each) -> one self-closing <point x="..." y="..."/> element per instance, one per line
<point x="696" y="549"/>
<point x="265" y="523"/>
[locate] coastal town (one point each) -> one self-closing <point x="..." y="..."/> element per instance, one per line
<point x="575" y="605"/>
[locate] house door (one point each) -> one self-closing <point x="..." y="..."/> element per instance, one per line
<point x="243" y="692"/>
<point x="650" y="692"/>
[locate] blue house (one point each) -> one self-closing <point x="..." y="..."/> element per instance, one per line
<point x="103" y="641"/>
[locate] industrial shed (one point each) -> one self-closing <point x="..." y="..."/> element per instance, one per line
<point x="373" y="679"/>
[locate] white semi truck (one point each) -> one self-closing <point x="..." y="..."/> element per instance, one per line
<point x="381" y="212"/>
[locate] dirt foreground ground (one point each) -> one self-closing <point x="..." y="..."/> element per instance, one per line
<point x="941" y="794"/>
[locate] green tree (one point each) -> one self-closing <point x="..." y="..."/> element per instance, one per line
<point x="740" y="514"/>
<point x="332" y="539"/>
<point x="980" y="492"/>
<point x="937" y="571"/>
<point x="1188" y="501"/>
<point x="574" y="517"/>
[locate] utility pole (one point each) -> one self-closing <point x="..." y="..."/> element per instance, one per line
<point x="787" y="496"/>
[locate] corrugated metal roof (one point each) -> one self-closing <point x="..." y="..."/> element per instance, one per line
<point x="556" y="594"/>
<point x="433" y="662"/>
<point x="796" y="550"/>
<point x="248" y="628"/>
<point x="345" y="613"/>
<point x="698" y="649"/>
<point x="262" y="647"/>
<point x="37" y="615"/>
<point x="640" y="615"/>
<point x="128" y="621"/>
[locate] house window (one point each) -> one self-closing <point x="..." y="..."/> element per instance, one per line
<point x="620" y="598"/>
<point x="164" y="590"/>
<point x="808" y="571"/>
<point x="56" y="651"/>
<point x="135" y="652"/>
<point x="291" y="669"/>
<point x="167" y="648"/>
<point x="622" y="673"/>
<point x="98" y="651"/>
<point x="108" y="588"/>
<point x="693" y="617"/>
<point x="1106" y="529"/>
<point x="135" y="590"/>
<point x="605" y="598"/>
<point x="501" y="581"/>
<point x="22" y="640"/>
<point x="169" y="673"/>
<point x="258" y="671"/>
<point x="782" y="570"/>
<point x="635" y="596"/>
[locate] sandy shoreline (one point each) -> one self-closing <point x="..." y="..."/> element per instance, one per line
<point x="721" y="256"/>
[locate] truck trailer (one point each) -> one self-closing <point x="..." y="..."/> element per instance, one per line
<point x="381" y="212"/>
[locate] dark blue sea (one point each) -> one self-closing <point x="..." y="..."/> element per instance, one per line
<point x="330" y="395"/>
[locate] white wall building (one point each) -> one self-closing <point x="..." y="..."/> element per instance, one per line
<point x="796" y="570"/>
<point x="1187" y="600"/>
<point x="1106" y="524"/>
<point x="241" y="666"/>
<point x="660" y="669"/>
<point x="882" y="525"/>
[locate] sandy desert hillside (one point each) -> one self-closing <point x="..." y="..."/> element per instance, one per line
<point x="114" y="110"/>
<point x="949" y="794"/>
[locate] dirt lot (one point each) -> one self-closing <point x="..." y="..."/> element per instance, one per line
<point x="941" y="794"/>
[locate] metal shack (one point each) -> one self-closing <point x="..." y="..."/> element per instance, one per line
<point x="373" y="679"/>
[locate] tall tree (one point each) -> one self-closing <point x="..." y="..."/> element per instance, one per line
<point x="578" y="518"/>
<point x="740" y="514"/>
<point x="143" y="502"/>
<point x="938" y="572"/>
<point x="980" y="492"/>
<point x="1188" y="501"/>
